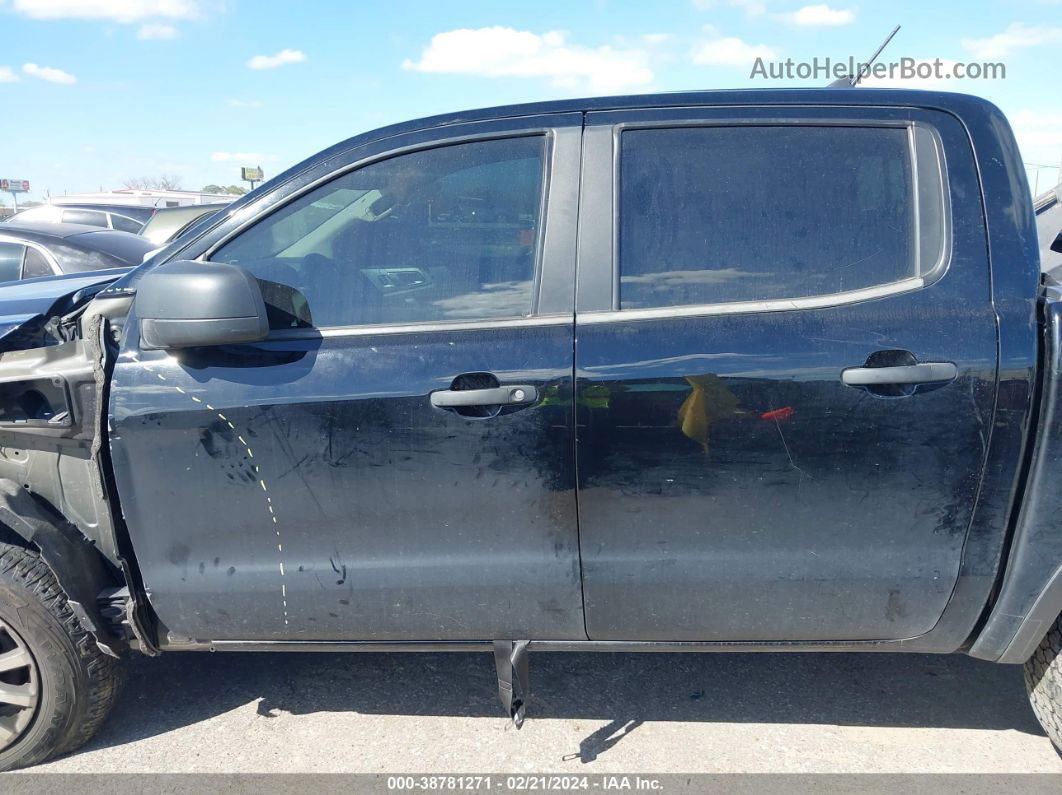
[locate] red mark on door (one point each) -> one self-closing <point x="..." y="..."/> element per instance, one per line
<point x="778" y="414"/>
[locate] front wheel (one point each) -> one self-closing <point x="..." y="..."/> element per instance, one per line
<point x="1043" y="680"/>
<point x="56" y="686"/>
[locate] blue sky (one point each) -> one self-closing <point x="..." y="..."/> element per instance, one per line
<point x="97" y="91"/>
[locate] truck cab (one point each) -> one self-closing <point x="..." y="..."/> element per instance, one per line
<point x="759" y="370"/>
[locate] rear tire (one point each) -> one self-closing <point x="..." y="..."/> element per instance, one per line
<point x="59" y="686"/>
<point x="1043" y="680"/>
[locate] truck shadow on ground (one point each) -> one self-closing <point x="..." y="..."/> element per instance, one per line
<point x="874" y="690"/>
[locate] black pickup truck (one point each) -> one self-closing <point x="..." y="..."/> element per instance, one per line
<point x="755" y="370"/>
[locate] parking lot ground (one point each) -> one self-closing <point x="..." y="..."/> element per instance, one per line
<point x="592" y="713"/>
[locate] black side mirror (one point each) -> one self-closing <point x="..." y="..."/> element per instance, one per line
<point x="1057" y="245"/>
<point x="186" y="304"/>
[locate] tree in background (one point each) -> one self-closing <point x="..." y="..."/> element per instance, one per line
<point x="161" y="182"/>
<point x="232" y="190"/>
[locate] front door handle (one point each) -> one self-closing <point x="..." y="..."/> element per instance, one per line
<point x="906" y="374"/>
<point x="519" y="395"/>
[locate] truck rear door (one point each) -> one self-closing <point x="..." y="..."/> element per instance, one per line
<point x="786" y="367"/>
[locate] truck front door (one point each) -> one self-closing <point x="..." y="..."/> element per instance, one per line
<point x="786" y="363"/>
<point x="397" y="460"/>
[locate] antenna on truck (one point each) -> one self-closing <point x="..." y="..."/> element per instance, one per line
<point x="851" y="81"/>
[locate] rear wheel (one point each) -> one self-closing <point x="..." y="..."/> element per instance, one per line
<point x="56" y="686"/>
<point x="1043" y="680"/>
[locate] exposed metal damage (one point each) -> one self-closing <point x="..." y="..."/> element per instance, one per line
<point x="56" y="350"/>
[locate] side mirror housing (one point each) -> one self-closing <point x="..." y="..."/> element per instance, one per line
<point x="1057" y="245"/>
<point x="187" y="304"/>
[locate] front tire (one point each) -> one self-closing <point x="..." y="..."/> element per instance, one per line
<point x="56" y="686"/>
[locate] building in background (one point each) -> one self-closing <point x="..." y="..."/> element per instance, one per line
<point x="1048" y="225"/>
<point x="144" y="198"/>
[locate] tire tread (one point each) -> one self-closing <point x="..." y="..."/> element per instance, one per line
<point x="1043" y="680"/>
<point x="100" y="673"/>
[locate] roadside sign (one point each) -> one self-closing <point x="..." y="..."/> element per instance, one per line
<point x="14" y="185"/>
<point x="251" y="174"/>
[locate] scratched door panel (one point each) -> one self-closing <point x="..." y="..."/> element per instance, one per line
<point x="323" y="497"/>
<point x="739" y="491"/>
<point x="305" y="487"/>
<point x="731" y="487"/>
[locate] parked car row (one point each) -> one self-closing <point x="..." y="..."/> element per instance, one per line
<point x="73" y="238"/>
<point x="106" y="216"/>
<point x="31" y="250"/>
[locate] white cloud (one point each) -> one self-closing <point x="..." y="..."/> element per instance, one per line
<point x="819" y="16"/>
<point x="285" y="56"/>
<point x="156" y="30"/>
<point x="246" y="104"/>
<point x="125" y="11"/>
<point x="506" y="52"/>
<point x="731" y="51"/>
<point x="49" y="73"/>
<point x="754" y="8"/>
<point x="246" y="158"/>
<point x="7" y="75"/>
<point x="1036" y="129"/>
<point x="1016" y="37"/>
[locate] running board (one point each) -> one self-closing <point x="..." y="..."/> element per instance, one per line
<point x="553" y="646"/>
<point x="510" y="656"/>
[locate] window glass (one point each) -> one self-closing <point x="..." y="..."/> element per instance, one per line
<point x="37" y="215"/>
<point x="10" y="261"/>
<point x="123" y="224"/>
<point x="87" y="217"/>
<point x="35" y="265"/>
<point x="443" y="234"/>
<point x="721" y="214"/>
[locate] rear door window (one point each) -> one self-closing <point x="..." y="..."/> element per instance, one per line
<point x="123" y="224"/>
<point x="86" y="217"/>
<point x="723" y="214"/>
<point x="11" y="261"/>
<point x="35" y="265"/>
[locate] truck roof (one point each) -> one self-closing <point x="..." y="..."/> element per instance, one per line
<point x="959" y="104"/>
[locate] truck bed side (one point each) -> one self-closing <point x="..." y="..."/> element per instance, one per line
<point x="1031" y="595"/>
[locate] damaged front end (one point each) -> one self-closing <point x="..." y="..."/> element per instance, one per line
<point x="57" y="345"/>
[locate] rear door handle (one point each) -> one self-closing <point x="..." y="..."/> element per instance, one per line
<point x="519" y="395"/>
<point x="910" y="374"/>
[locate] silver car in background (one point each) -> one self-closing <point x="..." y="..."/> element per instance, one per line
<point x="169" y="222"/>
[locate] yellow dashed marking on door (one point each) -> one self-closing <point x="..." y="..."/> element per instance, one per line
<point x="261" y="481"/>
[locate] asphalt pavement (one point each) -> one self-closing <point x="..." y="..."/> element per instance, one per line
<point x="593" y="713"/>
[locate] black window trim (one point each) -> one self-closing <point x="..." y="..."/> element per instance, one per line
<point x="924" y="146"/>
<point x="552" y="137"/>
